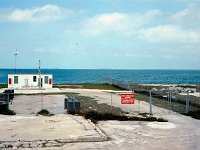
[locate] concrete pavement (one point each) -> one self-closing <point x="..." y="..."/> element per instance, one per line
<point x="63" y="131"/>
<point x="30" y="131"/>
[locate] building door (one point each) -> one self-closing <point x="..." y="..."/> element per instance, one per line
<point x="40" y="84"/>
<point x="26" y="82"/>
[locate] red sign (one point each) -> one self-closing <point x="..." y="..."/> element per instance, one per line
<point x="127" y="98"/>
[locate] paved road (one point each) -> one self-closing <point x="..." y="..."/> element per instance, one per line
<point x="181" y="132"/>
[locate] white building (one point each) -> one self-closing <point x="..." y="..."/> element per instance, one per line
<point x="16" y="80"/>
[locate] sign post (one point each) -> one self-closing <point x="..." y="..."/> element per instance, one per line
<point x="127" y="98"/>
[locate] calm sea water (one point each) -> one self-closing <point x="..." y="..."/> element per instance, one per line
<point x="94" y="75"/>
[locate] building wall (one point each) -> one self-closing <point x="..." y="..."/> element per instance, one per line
<point x="29" y="81"/>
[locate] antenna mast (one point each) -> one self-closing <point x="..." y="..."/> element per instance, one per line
<point x="39" y="72"/>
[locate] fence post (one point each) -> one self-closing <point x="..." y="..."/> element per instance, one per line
<point x="170" y="101"/>
<point x="187" y="102"/>
<point x="168" y="97"/>
<point x="176" y="94"/>
<point x="160" y="90"/>
<point x="150" y="102"/>
<point x="101" y="80"/>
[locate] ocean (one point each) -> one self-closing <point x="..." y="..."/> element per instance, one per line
<point x="66" y="76"/>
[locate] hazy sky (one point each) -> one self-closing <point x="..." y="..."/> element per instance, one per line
<point x="98" y="34"/>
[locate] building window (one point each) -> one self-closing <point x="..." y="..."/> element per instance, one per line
<point x="34" y="79"/>
<point x="46" y="79"/>
<point x="15" y="79"/>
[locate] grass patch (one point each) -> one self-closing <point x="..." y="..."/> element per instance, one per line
<point x="87" y="86"/>
<point x="194" y="114"/>
<point x="162" y="102"/>
<point x="175" y="106"/>
<point x="95" y="116"/>
<point x="89" y="104"/>
<point x="8" y="112"/>
<point x="95" y="111"/>
<point x="3" y="86"/>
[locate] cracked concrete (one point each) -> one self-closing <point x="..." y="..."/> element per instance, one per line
<point x="181" y="132"/>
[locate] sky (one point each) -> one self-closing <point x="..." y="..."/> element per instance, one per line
<point x="100" y="34"/>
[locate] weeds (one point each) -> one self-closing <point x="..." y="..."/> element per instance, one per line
<point x="44" y="112"/>
<point x="8" y="112"/>
<point x="95" y="116"/>
<point x="194" y="114"/>
<point x="3" y="86"/>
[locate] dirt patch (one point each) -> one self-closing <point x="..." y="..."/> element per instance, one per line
<point x="88" y="104"/>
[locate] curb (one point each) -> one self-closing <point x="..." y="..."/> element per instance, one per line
<point x="103" y="136"/>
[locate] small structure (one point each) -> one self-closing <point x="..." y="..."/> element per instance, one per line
<point x="18" y="80"/>
<point x="72" y="104"/>
<point x="6" y="97"/>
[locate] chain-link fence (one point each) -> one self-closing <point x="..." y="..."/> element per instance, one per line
<point x="177" y="98"/>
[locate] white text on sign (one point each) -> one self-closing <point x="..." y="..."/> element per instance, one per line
<point x="127" y="98"/>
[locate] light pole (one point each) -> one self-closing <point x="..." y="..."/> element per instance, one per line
<point x="15" y="59"/>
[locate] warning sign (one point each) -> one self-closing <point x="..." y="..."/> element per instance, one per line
<point x="127" y="98"/>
